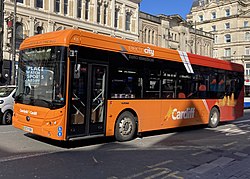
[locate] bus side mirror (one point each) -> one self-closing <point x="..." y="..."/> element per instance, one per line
<point x="77" y="71"/>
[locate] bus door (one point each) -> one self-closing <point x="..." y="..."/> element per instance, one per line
<point x="87" y="102"/>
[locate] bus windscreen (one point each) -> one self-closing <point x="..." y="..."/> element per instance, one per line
<point x="41" y="80"/>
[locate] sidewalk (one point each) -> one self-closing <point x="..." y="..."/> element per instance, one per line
<point x="236" y="166"/>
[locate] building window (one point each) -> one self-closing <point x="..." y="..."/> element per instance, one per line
<point x="227" y="52"/>
<point x="227" y="11"/>
<point x="227" y="38"/>
<point x="79" y="9"/>
<point x="116" y="17"/>
<point x="247" y="50"/>
<point x="245" y="23"/>
<point x="57" y="6"/>
<point x="98" y="13"/>
<point x="128" y="21"/>
<point x="214" y="28"/>
<point x="39" y="3"/>
<point x="65" y="5"/>
<point x="145" y="36"/>
<point x="215" y="53"/>
<point x="20" y="1"/>
<point x="213" y="15"/>
<point x="87" y="10"/>
<point x="59" y="28"/>
<point x="149" y="31"/>
<point x="216" y="39"/>
<point x="153" y="37"/>
<point x="38" y="30"/>
<point x="202" y="2"/>
<point x="247" y="72"/>
<point x="247" y="36"/>
<point x="105" y="15"/>
<point x="201" y="19"/>
<point x="227" y="25"/>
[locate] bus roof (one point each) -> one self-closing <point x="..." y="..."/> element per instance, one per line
<point x="88" y="39"/>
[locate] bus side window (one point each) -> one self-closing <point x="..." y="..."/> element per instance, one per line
<point x="152" y="84"/>
<point x="213" y="85"/>
<point x="202" y="91"/>
<point x="221" y="85"/>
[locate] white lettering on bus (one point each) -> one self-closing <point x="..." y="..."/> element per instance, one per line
<point x="24" y="111"/>
<point x="187" y="114"/>
<point x="33" y="113"/>
<point x="149" y="51"/>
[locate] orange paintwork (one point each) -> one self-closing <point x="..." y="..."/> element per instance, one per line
<point x="158" y="114"/>
<point x="43" y="121"/>
<point x="151" y="114"/>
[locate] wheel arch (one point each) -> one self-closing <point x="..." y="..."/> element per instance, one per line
<point x="215" y="106"/>
<point x="132" y="112"/>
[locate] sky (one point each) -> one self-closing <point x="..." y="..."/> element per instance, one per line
<point x="167" y="7"/>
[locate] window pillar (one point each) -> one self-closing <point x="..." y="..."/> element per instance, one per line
<point x="51" y="5"/>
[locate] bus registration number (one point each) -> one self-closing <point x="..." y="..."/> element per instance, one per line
<point x="27" y="129"/>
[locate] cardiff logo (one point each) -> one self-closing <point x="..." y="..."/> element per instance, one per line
<point x="175" y="114"/>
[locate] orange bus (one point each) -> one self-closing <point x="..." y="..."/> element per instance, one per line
<point x="74" y="84"/>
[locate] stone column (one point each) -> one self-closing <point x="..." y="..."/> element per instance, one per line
<point x="62" y="7"/>
<point x="113" y="9"/>
<point x="137" y="20"/>
<point x="51" y="25"/>
<point x="123" y="17"/>
<point x="95" y="11"/>
<point x="32" y="3"/>
<point x="74" y="3"/>
<point x="32" y="25"/>
<point x="51" y="6"/>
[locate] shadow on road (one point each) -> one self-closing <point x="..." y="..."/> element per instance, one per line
<point x="71" y="144"/>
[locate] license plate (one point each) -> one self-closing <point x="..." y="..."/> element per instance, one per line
<point x="27" y="129"/>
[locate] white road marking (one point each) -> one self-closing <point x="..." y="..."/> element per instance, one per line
<point x="198" y="153"/>
<point x="18" y="157"/>
<point x="159" y="164"/>
<point x="8" y="132"/>
<point x="229" y="144"/>
<point x="244" y="121"/>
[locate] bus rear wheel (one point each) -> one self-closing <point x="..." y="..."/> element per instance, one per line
<point x="125" y="127"/>
<point x="214" y="118"/>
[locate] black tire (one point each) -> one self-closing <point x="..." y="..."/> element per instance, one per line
<point x="214" y="118"/>
<point x="125" y="127"/>
<point x="7" y="117"/>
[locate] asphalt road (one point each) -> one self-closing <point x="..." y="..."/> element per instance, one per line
<point x="192" y="152"/>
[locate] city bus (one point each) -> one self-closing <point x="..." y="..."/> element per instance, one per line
<point x="74" y="84"/>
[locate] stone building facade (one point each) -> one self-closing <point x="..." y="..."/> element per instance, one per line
<point x="118" y="18"/>
<point x="229" y="21"/>
<point x="174" y="32"/>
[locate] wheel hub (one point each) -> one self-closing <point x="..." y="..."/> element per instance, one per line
<point x="214" y="118"/>
<point x="125" y="126"/>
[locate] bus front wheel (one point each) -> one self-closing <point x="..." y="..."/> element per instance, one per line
<point x="214" y="118"/>
<point x="125" y="127"/>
